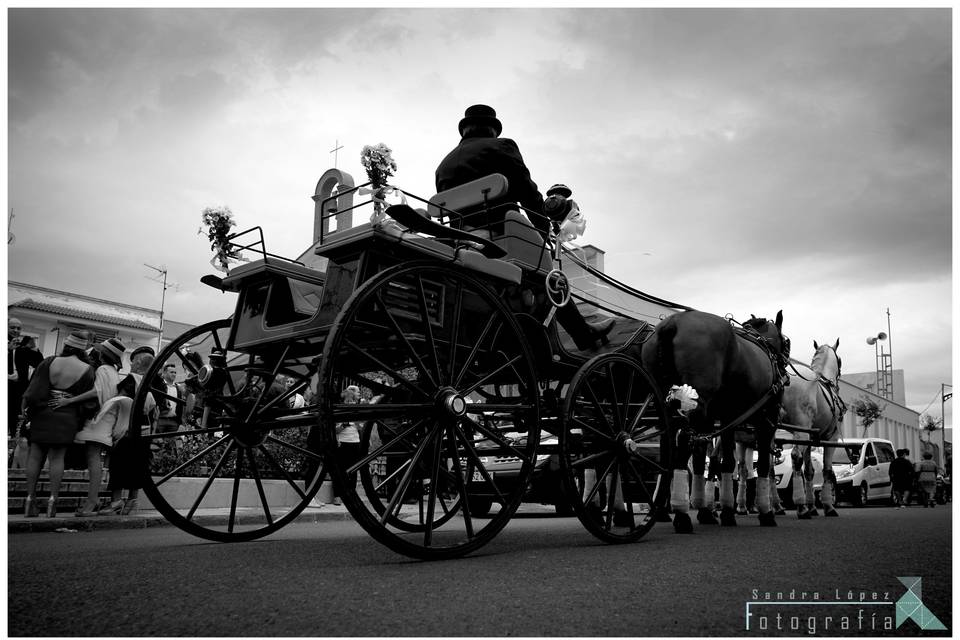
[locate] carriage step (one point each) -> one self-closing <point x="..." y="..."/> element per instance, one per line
<point x="813" y="442"/>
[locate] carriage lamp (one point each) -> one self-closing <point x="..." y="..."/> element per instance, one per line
<point x="213" y="375"/>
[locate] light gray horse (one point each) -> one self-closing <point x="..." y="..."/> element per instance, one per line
<point x="812" y="400"/>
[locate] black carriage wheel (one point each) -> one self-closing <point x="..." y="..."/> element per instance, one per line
<point x="247" y="447"/>
<point x="613" y="457"/>
<point x="441" y="341"/>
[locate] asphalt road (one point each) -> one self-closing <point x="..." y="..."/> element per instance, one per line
<point x="542" y="576"/>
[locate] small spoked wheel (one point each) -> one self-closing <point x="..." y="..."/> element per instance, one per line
<point x="230" y="446"/>
<point x="447" y="385"/>
<point x="612" y="458"/>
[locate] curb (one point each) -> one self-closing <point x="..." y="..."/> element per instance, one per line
<point x="72" y="524"/>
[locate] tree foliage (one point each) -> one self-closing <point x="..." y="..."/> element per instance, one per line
<point x="868" y="411"/>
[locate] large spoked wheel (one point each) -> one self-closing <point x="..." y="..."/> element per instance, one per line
<point x="612" y="457"/>
<point x="462" y="391"/>
<point x="238" y="457"/>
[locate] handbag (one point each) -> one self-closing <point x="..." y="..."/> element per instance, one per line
<point x="18" y="456"/>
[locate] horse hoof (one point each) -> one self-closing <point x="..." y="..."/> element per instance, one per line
<point x="831" y="513"/>
<point x="779" y="511"/>
<point x="767" y="519"/>
<point x="741" y="511"/>
<point x="803" y="514"/>
<point x="813" y="512"/>
<point x="728" y="518"/>
<point x="705" y="516"/>
<point x="682" y="523"/>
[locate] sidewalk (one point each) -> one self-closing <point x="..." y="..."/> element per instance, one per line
<point x="18" y="523"/>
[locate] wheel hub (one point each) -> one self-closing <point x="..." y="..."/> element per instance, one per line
<point x="451" y="403"/>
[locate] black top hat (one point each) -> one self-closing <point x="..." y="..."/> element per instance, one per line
<point x="560" y="190"/>
<point x="480" y="114"/>
<point x="143" y="349"/>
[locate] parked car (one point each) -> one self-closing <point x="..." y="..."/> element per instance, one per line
<point x="546" y="483"/>
<point x="862" y="466"/>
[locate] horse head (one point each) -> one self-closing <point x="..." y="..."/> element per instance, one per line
<point x="826" y="361"/>
<point x="772" y="332"/>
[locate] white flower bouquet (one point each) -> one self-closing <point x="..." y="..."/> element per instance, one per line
<point x="219" y="221"/>
<point x="379" y="165"/>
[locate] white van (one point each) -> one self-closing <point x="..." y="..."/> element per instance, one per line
<point x="862" y="466"/>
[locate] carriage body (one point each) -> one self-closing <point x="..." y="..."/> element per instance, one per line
<point x="460" y="361"/>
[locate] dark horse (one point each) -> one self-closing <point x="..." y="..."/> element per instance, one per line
<point x="737" y="377"/>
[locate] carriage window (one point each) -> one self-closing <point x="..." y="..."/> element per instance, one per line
<point x="292" y="301"/>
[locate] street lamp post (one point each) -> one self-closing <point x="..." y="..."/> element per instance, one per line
<point x="880" y="359"/>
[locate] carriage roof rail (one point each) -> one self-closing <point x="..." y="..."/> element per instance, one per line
<point x="258" y="245"/>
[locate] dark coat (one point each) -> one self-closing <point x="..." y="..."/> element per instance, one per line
<point x="901" y="474"/>
<point x="476" y="158"/>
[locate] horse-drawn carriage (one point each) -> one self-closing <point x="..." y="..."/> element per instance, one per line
<point x="448" y="330"/>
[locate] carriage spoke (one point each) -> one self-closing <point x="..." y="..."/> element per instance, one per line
<point x="636" y="419"/>
<point x="458" y="479"/>
<point x="476" y="347"/>
<point x="398" y="438"/>
<point x="627" y="399"/>
<point x="294" y="447"/>
<point x="396" y="375"/>
<point x="257" y="479"/>
<point x="493" y="435"/>
<point x="417" y="360"/>
<point x="286" y="474"/>
<point x="432" y="498"/>
<point x="597" y="407"/>
<point x="596" y="487"/>
<point x="209" y="482"/>
<point x="455" y="337"/>
<point x="482" y="381"/>
<point x="592" y="429"/>
<point x="614" y="401"/>
<point x="589" y="459"/>
<point x="236" y="492"/>
<point x="639" y="476"/>
<point x="196" y="457"/>
<point x="612" y="493"/>
<point x="472" y="454"/>
<point x="395" y="500"/>
<point x="428" y="329"/>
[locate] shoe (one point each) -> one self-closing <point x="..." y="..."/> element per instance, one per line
<point x="129" y="506"/>
<point x="115" y="508"/>
<point x="600" y="330"/>
<point x="82" y="513"/>
<point x="52" y="508"/>
<point x="336" y="501"/>
<point x="30" y="508"/>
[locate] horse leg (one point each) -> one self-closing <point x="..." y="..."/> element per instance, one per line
<point x="774" y="493"/>
<point x="741" y="471"/>
<point x="764" y="445"/>
<point x="828" y="492"/>
<point x="808" y="483"/>
<point x="680" y="486"/>
<point x="796" y="456"/>
<point x="727" y="465"/>
<point x="698" y="498"/>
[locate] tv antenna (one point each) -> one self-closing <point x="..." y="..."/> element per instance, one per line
<point x="161" y="277"/>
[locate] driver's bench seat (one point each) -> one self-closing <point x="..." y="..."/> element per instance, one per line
<point x="481" y="201"/>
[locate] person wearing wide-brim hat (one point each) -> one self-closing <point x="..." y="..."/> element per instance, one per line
<point x="482" y="152"/>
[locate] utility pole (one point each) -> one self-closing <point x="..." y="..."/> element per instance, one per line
<point x="161" y="271"/>
<point x="889" y="354"/>
<point x="943" y="421"/>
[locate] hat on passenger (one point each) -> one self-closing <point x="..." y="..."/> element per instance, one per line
<point x="112" y="350"/>
<point x="480" y="114"/>
<point x="77" y="340"/>
<point x="143" y="349"/>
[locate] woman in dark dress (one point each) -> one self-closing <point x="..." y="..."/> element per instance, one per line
<point x="53" y="425"/>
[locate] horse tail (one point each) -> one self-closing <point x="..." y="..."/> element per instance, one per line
<point x="667" y="368"/>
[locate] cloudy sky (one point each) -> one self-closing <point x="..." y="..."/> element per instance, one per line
<point x="736" y="161"/>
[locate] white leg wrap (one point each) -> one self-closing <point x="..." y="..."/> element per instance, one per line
<point x="709" y="493"/>
<point x="797" y="488"/>
<point x="589" y="481"/>
<point x="774" y="494"/>
<point x="726" y="490"/>
<point x="742" y="489"/>
<point x="826" y="494"/>
<point x="680" y="491"/>
<point x="696" y="496"/>
<point x="763" y="495"/>
<point x="808" y="493"/>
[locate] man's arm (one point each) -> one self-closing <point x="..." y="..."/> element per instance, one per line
<point x="522" y="186"/>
